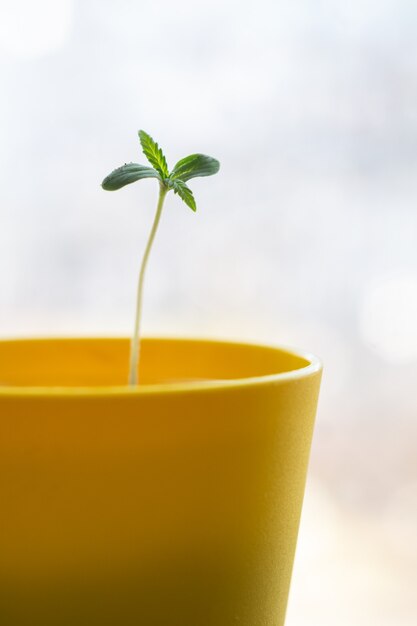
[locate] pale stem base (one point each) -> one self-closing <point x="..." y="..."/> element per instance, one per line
<point x="135" y="342"/>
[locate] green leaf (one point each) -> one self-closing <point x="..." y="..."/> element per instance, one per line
<point x="153" y="153"/>
<point x="126" y="174"/>
<point x="195" y="165"/>
<point x="184" y="193"/>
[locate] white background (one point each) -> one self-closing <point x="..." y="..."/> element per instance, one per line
<point x="307" y="236"/>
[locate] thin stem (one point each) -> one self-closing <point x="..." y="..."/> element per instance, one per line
<point x="135" y="343"/>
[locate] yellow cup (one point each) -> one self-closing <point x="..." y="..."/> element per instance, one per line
<point x="176" y="503"/>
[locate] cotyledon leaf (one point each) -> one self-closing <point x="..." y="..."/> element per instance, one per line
<point x="126" y="174"/>
<point x="195" y="165"/>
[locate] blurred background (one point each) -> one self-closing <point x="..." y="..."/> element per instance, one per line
<point x="307" y="237"/>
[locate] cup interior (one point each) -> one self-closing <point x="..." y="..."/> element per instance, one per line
<point x="90" y="362"/>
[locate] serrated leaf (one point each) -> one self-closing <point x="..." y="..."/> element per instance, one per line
<point x="126" y="174"/>
<point x="153" y="153"/>
<point x="184" y="193"/>
<point x="195" y="165"/>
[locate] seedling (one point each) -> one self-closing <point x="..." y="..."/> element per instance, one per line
<point x="187" y="168"/>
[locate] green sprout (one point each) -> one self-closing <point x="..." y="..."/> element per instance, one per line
<point x="187" y="168"/>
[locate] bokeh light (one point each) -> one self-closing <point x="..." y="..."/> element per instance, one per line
<point x="388" y="317"/>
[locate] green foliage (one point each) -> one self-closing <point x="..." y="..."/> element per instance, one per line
<point x="195" y="165"/>
<point x="184" y="193"/>
<point x="153" y="153"/>
<point x="191" y="166"/>
<point x="127" y="174"/>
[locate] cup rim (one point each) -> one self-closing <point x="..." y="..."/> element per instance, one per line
<point x="314" y="366"/>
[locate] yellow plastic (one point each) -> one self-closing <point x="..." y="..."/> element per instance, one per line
<point x="175" y="503"/>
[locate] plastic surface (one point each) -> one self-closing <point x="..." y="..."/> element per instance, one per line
<point x="172" y="504"/>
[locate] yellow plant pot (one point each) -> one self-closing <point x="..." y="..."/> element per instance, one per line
<point x="175" y="503"/>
